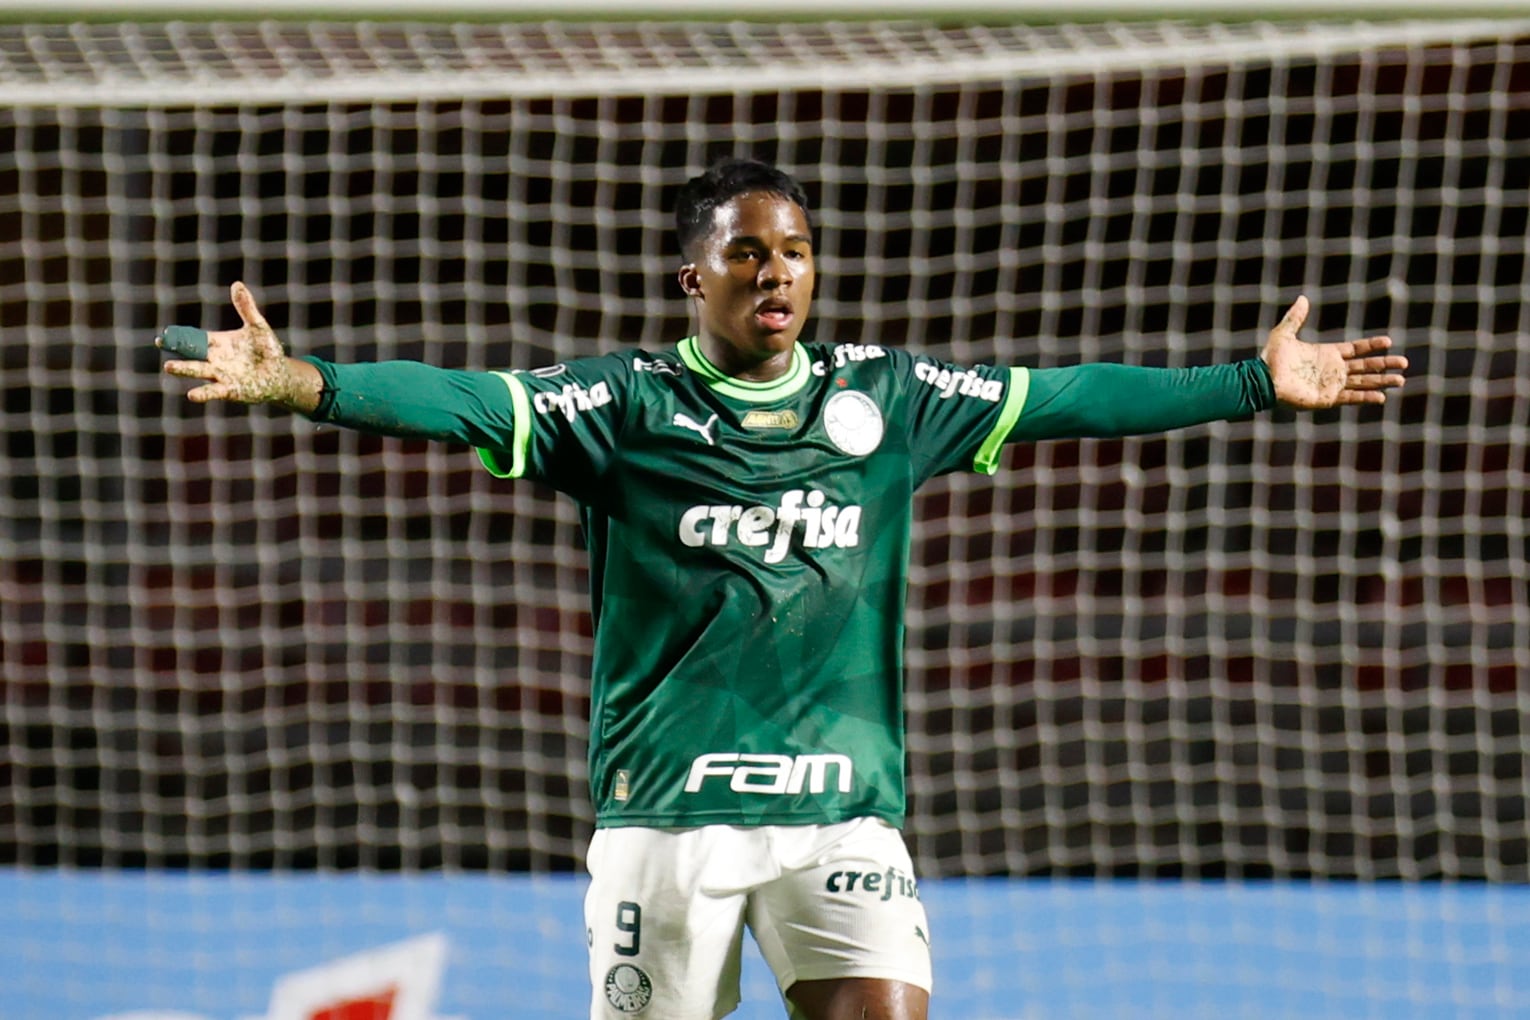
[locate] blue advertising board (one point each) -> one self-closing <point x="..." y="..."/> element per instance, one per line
<point x="211" y="946"/>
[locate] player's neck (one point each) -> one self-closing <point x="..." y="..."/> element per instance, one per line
<point x="737" y="364"/>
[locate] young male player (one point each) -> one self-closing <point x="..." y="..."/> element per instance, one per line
<point x="747" y="503"/>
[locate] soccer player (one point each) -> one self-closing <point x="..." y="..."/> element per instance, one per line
<point x="747" y="501"/>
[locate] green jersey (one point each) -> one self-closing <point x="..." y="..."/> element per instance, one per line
<point x="749" y="558"/>
<point x="749" y="542"/>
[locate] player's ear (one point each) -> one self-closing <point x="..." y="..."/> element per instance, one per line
<point x="690" y="279"/>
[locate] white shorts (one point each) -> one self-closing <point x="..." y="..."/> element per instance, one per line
<point x="666" y="910"/>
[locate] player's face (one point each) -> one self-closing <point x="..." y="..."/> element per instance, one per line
<point x="752" y="282"/>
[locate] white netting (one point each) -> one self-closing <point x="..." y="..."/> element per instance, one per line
<point x="1294" y="646"/>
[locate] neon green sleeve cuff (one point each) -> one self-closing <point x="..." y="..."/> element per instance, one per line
<point x="987" y="459"/>
<point x="520" y="442"/>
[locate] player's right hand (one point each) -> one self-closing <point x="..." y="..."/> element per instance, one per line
<point x="247" y="365"/>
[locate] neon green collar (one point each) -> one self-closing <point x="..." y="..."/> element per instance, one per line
<point x="795" y="378"/>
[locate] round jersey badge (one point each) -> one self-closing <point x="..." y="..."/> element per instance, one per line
<point x="628" y="988"/>
<point x="854" y="422"/>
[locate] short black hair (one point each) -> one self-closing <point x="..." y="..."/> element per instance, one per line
<point x="724" y="181"/>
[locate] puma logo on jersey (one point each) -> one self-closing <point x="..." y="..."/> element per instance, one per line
<point x="685" y="421"/>
<point x="823" y="525"/>
<point x="772" y="773"/>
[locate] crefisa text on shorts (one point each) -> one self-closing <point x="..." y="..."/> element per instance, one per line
<point x="881" y="884"/>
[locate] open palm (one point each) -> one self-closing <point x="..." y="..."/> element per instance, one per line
<point x="247" y="365"/>
<point x="1319" y="375"/>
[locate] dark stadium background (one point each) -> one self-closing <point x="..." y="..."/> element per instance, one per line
<point x="145" y="774"/>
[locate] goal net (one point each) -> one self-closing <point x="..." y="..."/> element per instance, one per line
<point x="1292" y="647"/>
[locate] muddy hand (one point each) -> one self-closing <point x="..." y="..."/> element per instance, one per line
<point x="246" y="365"/>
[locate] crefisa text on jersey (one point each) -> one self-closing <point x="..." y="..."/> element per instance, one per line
<point x="572" y="399"/>
<point x="846" y="353"/>
<point x="824" y="525"/>
<point x="967" y="384"/>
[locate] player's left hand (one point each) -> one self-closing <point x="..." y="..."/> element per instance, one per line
<point x="1313" y="375"/>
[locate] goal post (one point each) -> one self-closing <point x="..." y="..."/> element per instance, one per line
<point x="948" y="12"/>
<point x="1293" y="647"/>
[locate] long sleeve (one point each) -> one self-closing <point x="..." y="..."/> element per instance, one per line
<point x="1106" y="400"/>
<point x="410" y="400"/>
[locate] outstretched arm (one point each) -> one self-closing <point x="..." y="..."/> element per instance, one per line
<point x="1110" y="400"/>
<point x="405" y="399"/>
<point x="248" y="365"/>
<point x="1313" y="376"/>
